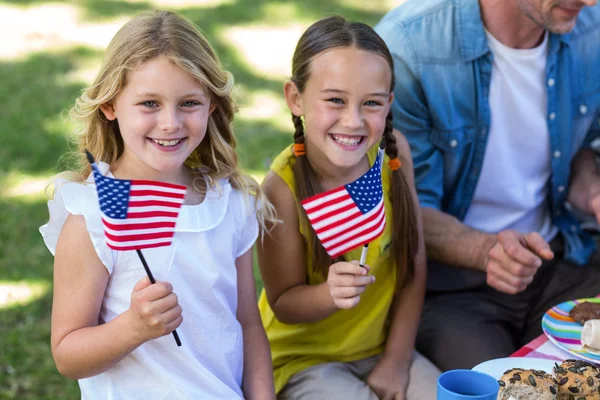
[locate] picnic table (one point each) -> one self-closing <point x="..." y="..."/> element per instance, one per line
<point x="541" y="347"/>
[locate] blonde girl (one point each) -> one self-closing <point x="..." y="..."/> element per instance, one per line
<point x="338" y="330"/>
<point x="160" y="109"/>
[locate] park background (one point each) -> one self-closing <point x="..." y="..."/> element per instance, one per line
<point x="49" y="52"/>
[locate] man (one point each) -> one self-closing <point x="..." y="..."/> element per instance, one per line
<point x="499" y="100"/>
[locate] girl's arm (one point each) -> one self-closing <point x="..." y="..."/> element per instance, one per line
<point x="258" y="370"/>
<point x="283" y="267"/>
<point x="80" y="345"/>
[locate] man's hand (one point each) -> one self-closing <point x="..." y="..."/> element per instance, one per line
<point x="593" y="200"/>
<point x="584" y="185"/>
<point x="514" y="259"/>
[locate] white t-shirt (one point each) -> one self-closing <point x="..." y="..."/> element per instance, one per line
<point x="512" y="190"/>
<point x="200" y="264"/>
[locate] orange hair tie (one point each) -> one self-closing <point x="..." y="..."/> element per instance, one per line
<point x="299" y="149"/>
<point x="394" y="164"/>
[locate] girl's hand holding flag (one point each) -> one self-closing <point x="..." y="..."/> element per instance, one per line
<point x="154" y="309"/>
<point x="346" y="281"/>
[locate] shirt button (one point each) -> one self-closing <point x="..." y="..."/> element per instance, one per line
<point x="557" y="213"/>
<point x="583" y="109"/>
<point x="550" y="82"/>
<point x="560" y="189"/>
<point x="552" y="116"/>
<point x="453" y="143"/>
<point x="556" y="154"/>
<point x="573" y="228"/>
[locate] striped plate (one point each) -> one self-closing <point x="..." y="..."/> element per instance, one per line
<point x="566" y="333"/>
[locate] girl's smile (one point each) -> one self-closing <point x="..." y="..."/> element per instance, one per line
<point x="168" y="144"/>
<point x="348" y="142"/>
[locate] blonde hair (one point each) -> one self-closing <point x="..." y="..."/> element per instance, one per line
<point x="146" y="37"/>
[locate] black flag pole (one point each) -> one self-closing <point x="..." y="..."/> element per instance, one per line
<point x="152" y="280"/>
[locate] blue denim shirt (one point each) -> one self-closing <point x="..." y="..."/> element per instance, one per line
<point x="443" y="65"/>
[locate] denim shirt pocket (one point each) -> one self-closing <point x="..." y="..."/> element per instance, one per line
<point x="451" y="141"/>
<point x="456" y="148"/>
<point x="584" y="111"/>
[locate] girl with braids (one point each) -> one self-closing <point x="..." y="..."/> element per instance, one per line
<point x="338" y="330"/>
<point x="160" y="109"/>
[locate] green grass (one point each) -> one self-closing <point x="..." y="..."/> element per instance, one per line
<point x="35" y="92"/>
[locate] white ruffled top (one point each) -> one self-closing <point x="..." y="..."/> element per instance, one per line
<point x="200" y="264"/>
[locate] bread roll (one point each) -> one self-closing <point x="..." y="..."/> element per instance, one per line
<point x="590" y="334"/>
<point x="577" y="380"/>
<point x="530" y="384"/>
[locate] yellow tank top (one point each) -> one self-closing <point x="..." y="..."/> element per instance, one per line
<point x="346" y="335"/>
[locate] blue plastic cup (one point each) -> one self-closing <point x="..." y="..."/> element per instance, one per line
<point x="466" y="384"/>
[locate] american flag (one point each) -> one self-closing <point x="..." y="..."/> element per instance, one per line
<point x="137" y="214"/>
<point x="351" y="215"/>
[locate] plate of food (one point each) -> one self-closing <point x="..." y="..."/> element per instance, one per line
<point x="574" y="326"/>
<point x="534" y="378"/>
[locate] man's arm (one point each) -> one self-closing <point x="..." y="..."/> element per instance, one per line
<point x="453" y="243"/>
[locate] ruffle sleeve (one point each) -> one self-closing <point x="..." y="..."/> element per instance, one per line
<point x="77" y="199"/>
<point x="246" y="222"/>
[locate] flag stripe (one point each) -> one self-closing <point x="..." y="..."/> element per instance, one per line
<point x="319" y="199"/>
<point x="356" y="231"/>
<point x="333" y="211"/>
<point x="137" y="221"/>
<point x="343" y="220"/>
<point x="141" y="242"/>
<point x="137" y="246"/>
<point x="130" y="225"/>
<point x="117" y="233"/>
<point x="158" y="184"/>
<point x="328" y="205"/>
<point x="150" y="203"/>
<point x="151" y="214"/>
<point x="344" y="232"/>
<point x="337" y="226"/>
<point x="338" y="251"/>
<point x="159" y="193"/>
<point x="339" y="218"/>
<point x="135" y="238"/>
<point x="177" y="202"/>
